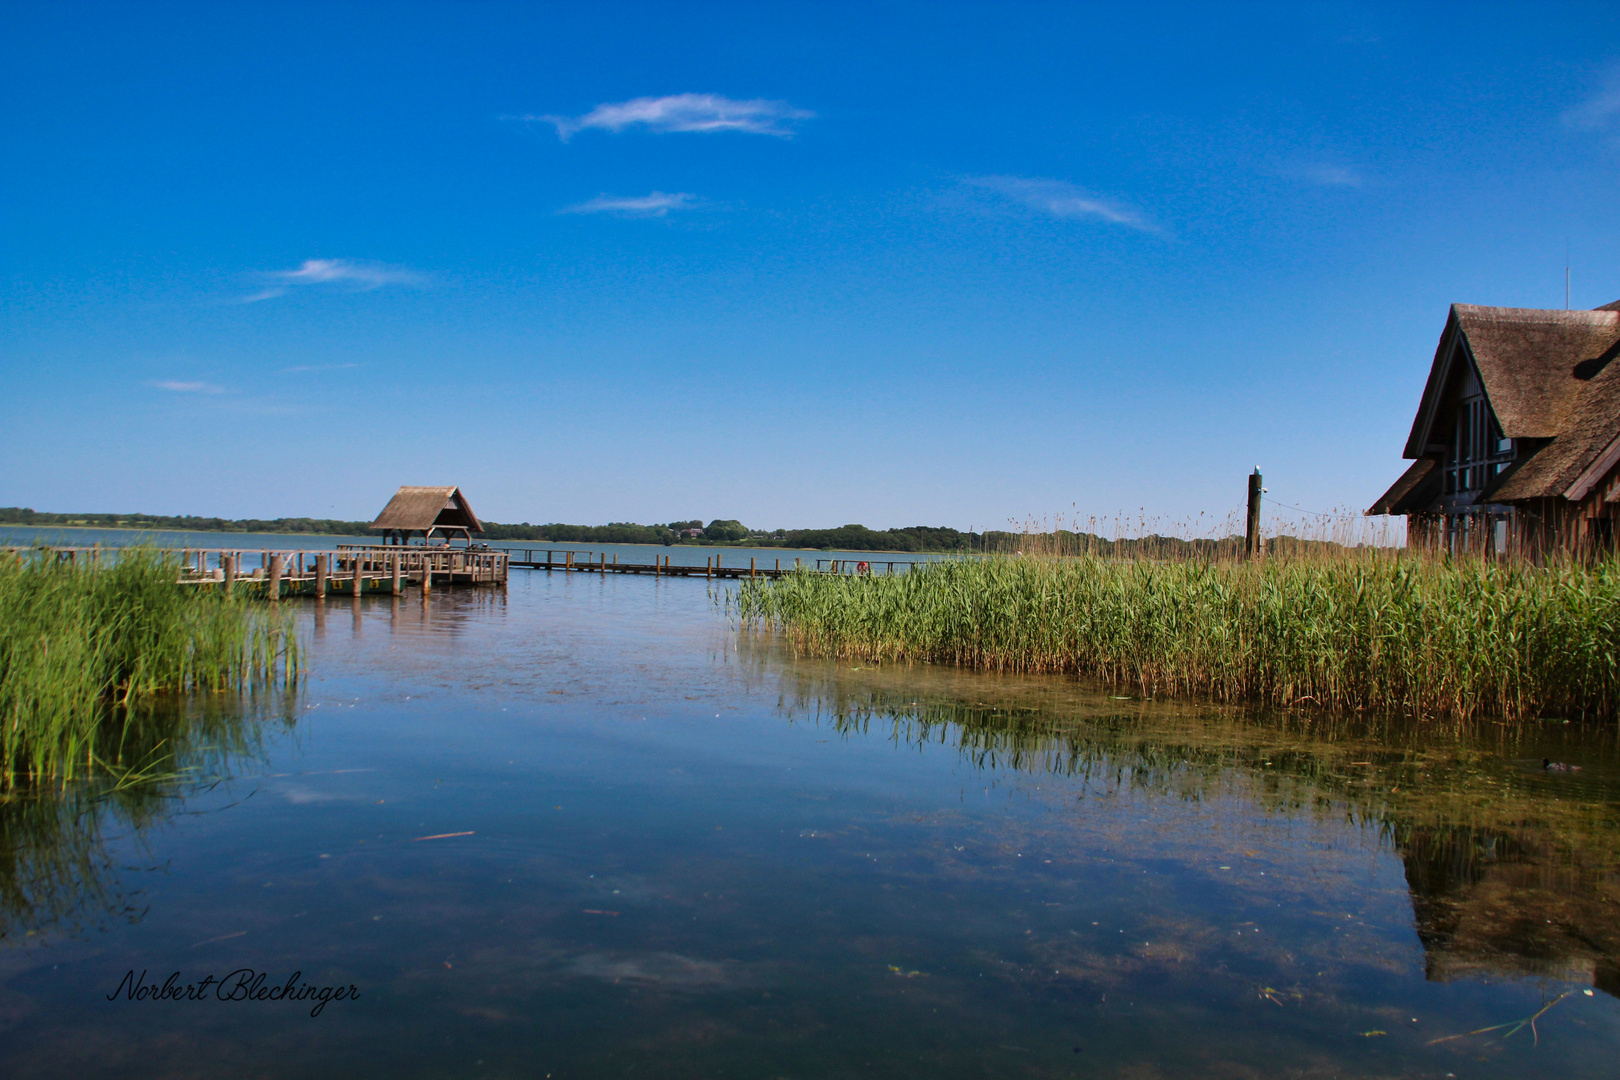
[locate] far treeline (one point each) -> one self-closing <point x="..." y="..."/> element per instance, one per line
<point x="720" y="532"/>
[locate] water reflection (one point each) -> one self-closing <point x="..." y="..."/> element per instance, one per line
<point x="57" y="870"/>
<point x="1512" y="871"/>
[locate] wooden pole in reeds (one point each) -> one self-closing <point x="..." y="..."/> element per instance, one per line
<point x="274" y="590"/>
<point x="1251" y="541"/>
<point x="321" y="564"/>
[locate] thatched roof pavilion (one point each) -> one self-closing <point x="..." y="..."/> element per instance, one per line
<point x="441" y="511"/>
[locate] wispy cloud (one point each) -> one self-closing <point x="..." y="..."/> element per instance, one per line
<point x="178" y="387"/>
<point x="1602" y="109"/>
<point x="704" y="113"/>
<point x="315" y="367"/>
<point x="341" y="273"/>
<point x="656" y="204"/>
<point x="1325" y="175"/>
<point x="1061" y="199"/>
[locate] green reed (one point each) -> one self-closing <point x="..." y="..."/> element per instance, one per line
<point x="1369" y="630"/>
<point x="82" y="644"/>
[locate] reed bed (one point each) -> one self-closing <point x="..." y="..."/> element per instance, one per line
<point x="82" y="647"/>
<point x="1373" y="630"/>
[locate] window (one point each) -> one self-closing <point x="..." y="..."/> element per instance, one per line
<point x="1478" y="452"/>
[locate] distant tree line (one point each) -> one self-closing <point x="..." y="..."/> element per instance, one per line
<point x="721" y="531"/>
<point x="16" y="515"/>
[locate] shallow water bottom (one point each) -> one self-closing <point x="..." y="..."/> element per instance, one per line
<point x="582" y="828"/>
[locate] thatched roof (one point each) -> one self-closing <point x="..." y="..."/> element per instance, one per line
<point x="1547" y="376"/>
<point x="1529" y="362"/>
<point x="418" y="509"/>
<point x="1416" y="488"/>
<point x="1591" y="428"/>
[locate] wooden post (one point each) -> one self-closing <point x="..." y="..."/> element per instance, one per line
<point x="359" y="564"/>
<point x="1251" y="542"/>
<point x="275" y="577"/>
<point x="750" y="567"/>
<point x="228" y="564"/>
<point x="427" y="573"/>
<point x="322" y="563"/>
<point x="778" y="567"/>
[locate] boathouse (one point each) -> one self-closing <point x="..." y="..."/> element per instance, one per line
<point x="434" y="512"/>
<point x="1516" y="443"/>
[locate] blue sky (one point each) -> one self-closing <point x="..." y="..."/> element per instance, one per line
<point x="796" y="264"/>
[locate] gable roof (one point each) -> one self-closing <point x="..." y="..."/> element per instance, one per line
<point x="1529" y="363"/>
<point x="418" y="509"/>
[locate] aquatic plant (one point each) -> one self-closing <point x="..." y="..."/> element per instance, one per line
<point x="1376" y="630"/>
<point x="84" y="644"/>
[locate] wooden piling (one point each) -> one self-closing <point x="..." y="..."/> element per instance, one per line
<point x="393" y="566"/>
<point x="322" y="566"/>
<point x="228" y="566"/>
<point x="274" y="588"/>
<point x="359" y="562"/>
<point x="1251" y="541"/>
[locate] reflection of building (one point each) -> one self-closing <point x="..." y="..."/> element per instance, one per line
<point x="431" y="511"/>
<point x="1491" y="902"/>
<point x="1516" y="443"/>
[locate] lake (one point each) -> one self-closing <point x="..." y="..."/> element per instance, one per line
<point x="583" y="827"/>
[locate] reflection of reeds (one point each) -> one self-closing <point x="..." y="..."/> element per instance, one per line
<point x="57" y="863"/>
<point x="1373" y="630"/>
<point x="81" y="646"/>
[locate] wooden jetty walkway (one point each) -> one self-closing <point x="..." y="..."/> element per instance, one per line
<point x="714" y="566"/>
<point x="351" y="570"/>
<point x="390" y="569"/>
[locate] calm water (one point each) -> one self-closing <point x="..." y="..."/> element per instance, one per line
<point x="663" y="848"/>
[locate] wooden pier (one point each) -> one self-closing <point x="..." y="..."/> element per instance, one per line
<point x="351" y="570"/>
<point x="390" y="569"/>
<point x="594" y="562"/>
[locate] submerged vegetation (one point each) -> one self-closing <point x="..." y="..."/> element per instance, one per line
<point x="83" y="648"/>
<point x="1378" y="631"/>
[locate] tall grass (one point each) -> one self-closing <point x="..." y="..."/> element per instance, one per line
<point x="1374" y="630"/>
<point x="81" y="645"/>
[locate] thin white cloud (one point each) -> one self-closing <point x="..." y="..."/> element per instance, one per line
<point x="316" y="367"/>
<point x="1602" y="109"/>
<point x="704" y="113"/>
<point x="656" y="204"/>
<point x="1061" y="199"/>
<point x="178" y="387"/>
<point x="1325" y="175"/>
<point x="342" y="273"/>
